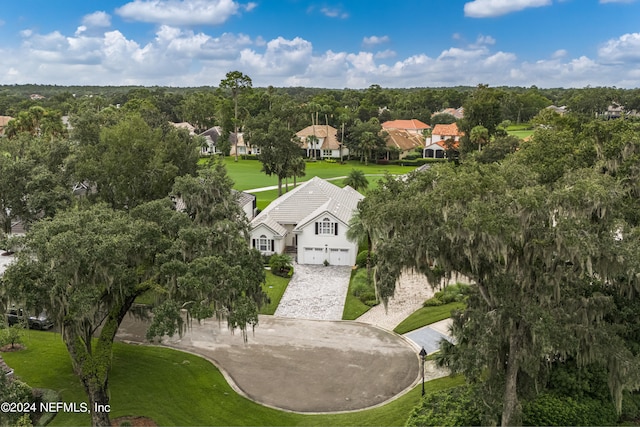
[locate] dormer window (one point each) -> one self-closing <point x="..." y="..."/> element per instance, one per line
<point x="327" y="227"/>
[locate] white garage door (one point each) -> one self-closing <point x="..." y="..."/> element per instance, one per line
<point x="314" y="255"/>
<point x="339" y="257"/>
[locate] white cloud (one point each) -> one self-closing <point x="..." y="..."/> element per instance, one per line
<point x="492" y="8"/>
<point x="181" y="12"/>
<point x="385" y="54"/>
<point x="624" y="48"/>
<point x="179" y="56"/>
<point x="334" y="12"/>
<point x="97" y="19"/>
<point x="374" y="40"/>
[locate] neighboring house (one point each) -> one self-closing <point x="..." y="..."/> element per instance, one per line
<point x="458" y="113"/>
<point x="402" y="142"/>
<point x="212" y="139"/>
<point x="321" y="142"/>
<point x="246" y="201"/>
<point x="441" y="136"/>
<point x="560" y="110"/>
<point x="413" y="126"/>
<point x="243" y="146"/>
<point x="184" y="125"/>
<point x="614" y="111"/>
<point x="4" y="121"/>
<point x="310" y="221"/>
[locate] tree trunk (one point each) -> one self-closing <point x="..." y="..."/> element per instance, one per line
<point x="279" y="186"/>
<point x="99" y="405"/>
<point x="92" y="360"/>
<point x="511" y="410"/>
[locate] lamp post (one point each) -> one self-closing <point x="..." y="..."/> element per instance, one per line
<point x="422" y="355"/>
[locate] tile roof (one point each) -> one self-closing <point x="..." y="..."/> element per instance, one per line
<point x="413" y="124"/>
<point x="458" y="113"/>
<point x="403" y="140"/>
<point x="446" y="130"/>
<point x="184" y="125"/>
<point x="329" y="133"/>
<point x="307" y="201"/>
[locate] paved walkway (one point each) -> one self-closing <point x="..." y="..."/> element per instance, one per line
<point x="412" y="289"/>
<point x="303" y="365"/>
<point x="429" y="337"/>
<point x="315" y="292"/>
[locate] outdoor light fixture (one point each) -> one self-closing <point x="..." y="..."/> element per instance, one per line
<point x="422" y="354"/>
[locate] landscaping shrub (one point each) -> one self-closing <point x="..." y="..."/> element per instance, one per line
<point x="383" y="162"/>
<point x="249" y="157"/>
<point x="280" y="265"/>
<point x="548" y="410"/>
<point x="363" y="288"/>
<point x="361" y="259"/>
<point x="452" y="293"/>
<point x="454" y="407"/>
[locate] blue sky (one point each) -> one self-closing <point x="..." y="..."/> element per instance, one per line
<point x="334" y="44"/>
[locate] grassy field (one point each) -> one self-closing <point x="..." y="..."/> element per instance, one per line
<point x="175" y="388"/>
<point x="426" y="316"/>
<point x="521" y="131"/>
<point x="246" y="173"/>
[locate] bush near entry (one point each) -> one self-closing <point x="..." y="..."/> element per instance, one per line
<point x="281" y="265"/>
<point x="451" y="293"/>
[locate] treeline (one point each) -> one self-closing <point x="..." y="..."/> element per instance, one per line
<point x="517" y="104"/>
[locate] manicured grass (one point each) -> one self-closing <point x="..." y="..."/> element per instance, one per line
<point x="274" y="288"/>
<point x="353" y="307"/>
<point x="175" y="388"/>
<point x="426" y="316"/>
<point x="521" y="133"/>
<point x="246" y="173"/>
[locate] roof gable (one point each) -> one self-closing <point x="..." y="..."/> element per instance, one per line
<point x="326" y="132"/>
<point x="403" y="140"/>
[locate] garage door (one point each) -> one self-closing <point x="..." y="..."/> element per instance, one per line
<point x="339" y="257"/>
<point x="314" y="255"/>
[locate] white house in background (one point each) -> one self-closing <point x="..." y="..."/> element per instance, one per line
<point x="436" y="145"/>
<point x="321" y="142"/>
<point x="247" y="202"/>
<point x="311" y="221"/>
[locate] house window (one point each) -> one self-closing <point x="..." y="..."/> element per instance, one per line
<point x="327" y="227"/>
<point x="263" y="244"/>
<point x="326" y="153"/>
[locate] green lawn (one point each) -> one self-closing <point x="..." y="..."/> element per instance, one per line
<point x="175" y="388"/>
<point x="426" y="316"/>
<point x="246" y="173"/>
<point x="274" y="288"/>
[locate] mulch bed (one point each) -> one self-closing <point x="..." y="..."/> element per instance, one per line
<point x="8" y="348"/>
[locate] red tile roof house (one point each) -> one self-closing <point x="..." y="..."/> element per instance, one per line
<point x="437" y="145"/>
<point x="413" y="126"/>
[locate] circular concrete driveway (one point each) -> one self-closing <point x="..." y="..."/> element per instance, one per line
<point x="303" y="365"/>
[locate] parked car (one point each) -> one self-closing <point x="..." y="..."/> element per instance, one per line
<point x="17" y="315"/>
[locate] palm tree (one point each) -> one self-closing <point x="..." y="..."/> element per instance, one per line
<point x="356" y="180"/>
